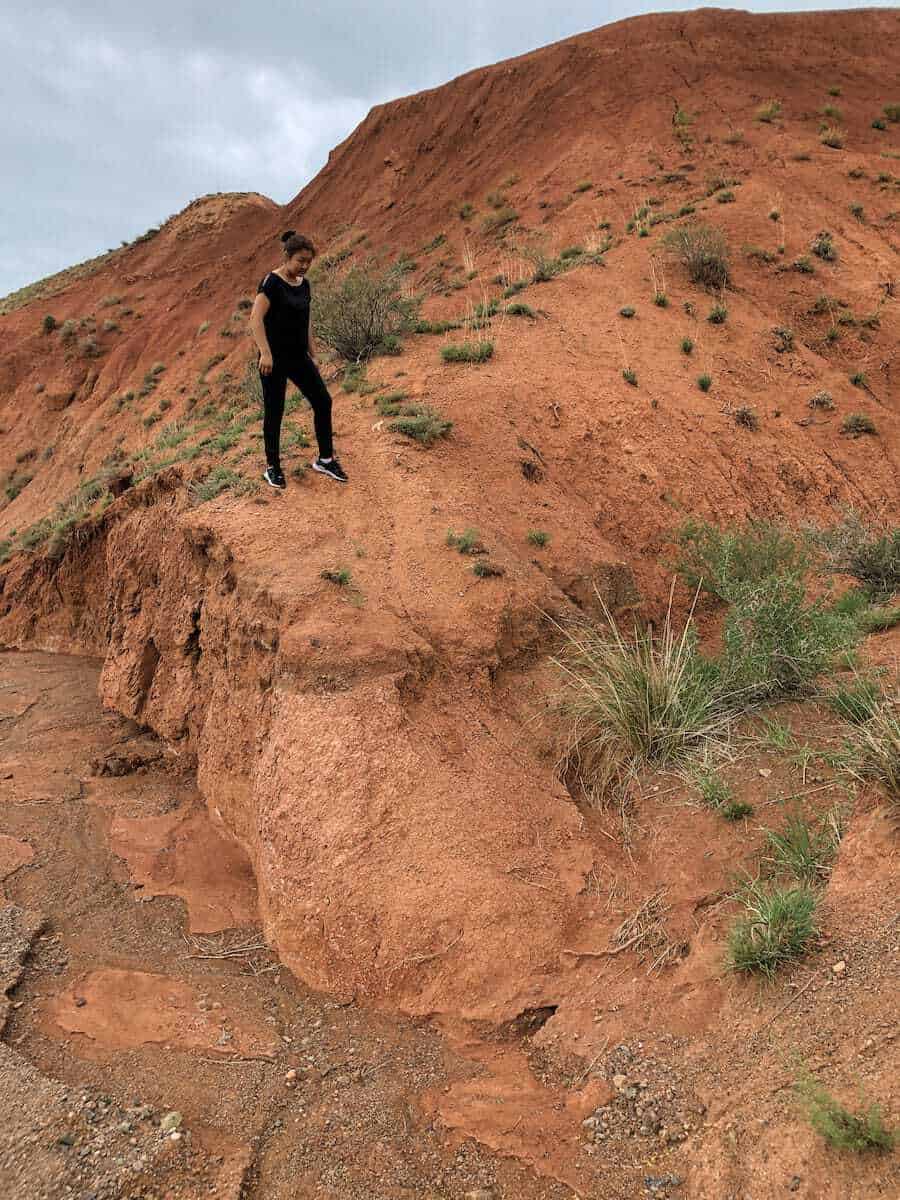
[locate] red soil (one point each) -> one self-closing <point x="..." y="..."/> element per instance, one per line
<point x="377" y="755"/>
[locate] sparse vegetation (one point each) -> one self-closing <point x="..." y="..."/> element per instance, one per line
<point x="821" y="400"/>
<point x="521" y="310"/>
<point x="484" y="569"/>
<point x="538" y="537"/>
<point x="784" y="339"/>
<point x="704" y="382"/>
<point x="340" y="577"/>
<point x="841" y="1128"/>
<point x="722" y="560"/>
<point x="630" y="376"/>
<point x="357" y="313"/>
<point x="832" y="136"/>
<point x="777" y="928"/>
<point x="467" y="542"/>
<point x="856" y="424"/>
<point x="870" y="553"/>
<point x="221" y="479"/>
<point x="801" y="851"/>
<point x="823" y="246"/>
<point x="703" y="251"/>
<point x="769" y="111"/>
<point x="469" y="352"/>
<point x="718" y="315"/>
<point x="856" y="702"/>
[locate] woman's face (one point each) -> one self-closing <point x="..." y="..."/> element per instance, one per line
<point x="299" y="262"/>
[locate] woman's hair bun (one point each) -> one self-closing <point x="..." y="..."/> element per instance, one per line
<point x="289" y="234"/>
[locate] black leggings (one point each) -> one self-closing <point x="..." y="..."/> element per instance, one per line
<point x="302" y="371"/>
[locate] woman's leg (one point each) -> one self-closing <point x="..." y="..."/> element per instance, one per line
<point x="273" y="388"/>
<point x="305" y="374"/>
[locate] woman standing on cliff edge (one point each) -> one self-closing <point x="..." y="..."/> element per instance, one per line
<point x="279" y="322"/>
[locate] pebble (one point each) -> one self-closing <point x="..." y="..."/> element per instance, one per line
<point x="619" y="1082"/>
<point x="839" y="967"/>
<point x="170" y="1121"/>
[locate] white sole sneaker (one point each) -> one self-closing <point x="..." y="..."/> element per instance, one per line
<point x="279" y="487"/>
<point x="323" y="469"/>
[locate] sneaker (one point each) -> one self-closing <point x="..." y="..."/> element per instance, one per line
<point x="333" y="468"/>
<point x="274" y="476"/>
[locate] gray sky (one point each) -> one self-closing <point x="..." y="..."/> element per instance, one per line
<point x="116" y="115"/>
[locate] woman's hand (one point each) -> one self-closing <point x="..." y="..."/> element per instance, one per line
<point x="265" y="363"/>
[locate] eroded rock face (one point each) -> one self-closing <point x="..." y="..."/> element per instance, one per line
<point x="409" y="849"/>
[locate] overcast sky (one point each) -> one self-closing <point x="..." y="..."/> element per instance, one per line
<point x="115" y="115"/>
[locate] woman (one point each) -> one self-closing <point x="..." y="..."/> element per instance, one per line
<point x="279" y="322"/>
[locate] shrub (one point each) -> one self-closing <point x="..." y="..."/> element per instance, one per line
<point x="67" y="331"/>
<point x="630" y="376"/>
<point x="474" y="352"/>
<point x="421" y="423"/>
<point x="858" y="211"/>
<point x="341" y="578"/>
<point x="833" y="137"/>
<point x="661" y="300"/>
<point x="777" y="929"/>
<point x="514" y="288"/>
<point x="869" y="553"/>
<point x="803" y="265"/>
<point x="703" y="251"/>
<point x="856" y="424"/>
<point x="784" y="339"/>
<point x="823" y="246"/>
<point x="584" y="186"/>
<point x="704" y="382"/>
<point x="721" y="560"/>
<point x="498" y="219"/>
<point x="49" y="323"/>
<point x="746" y="417"/>
<point x="773" y="643"/>
<point x="357" y="312"/>
<point x="856" y="702"/>
<point x="650" y="699"/>
<point x="537" y="537"/>
<point x="627" y="311"/>
<point x="805" y="853"/>
<point x="520" y="310"/>
<point x="686" y="345"/>
<point x="220" y="479"/>
<point x="484" y="569"/>
<point x="718" y="315"/>
<point x="714" y="791"/>
<point x="467" y="542"/>
<point x="858" y="379"/>
<point x="769" y="111"/>
<point x="839" y="1127"/>
<point x="726" y="197"/>
<point x="892" y="112"/>
<point x="465" y="211"/>
<point x="875" y="747"/>
<point x="821" y="400"/>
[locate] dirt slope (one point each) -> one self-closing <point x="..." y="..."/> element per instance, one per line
<point x="372" y="751"/>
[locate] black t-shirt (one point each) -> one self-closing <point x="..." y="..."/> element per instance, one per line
<point x="287" y="321"/>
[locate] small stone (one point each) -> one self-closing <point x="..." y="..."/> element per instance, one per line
<point x="839" y="967"/>
<point x="619" y="1082"/>
<point x="80" y="1002"/>
<point x="765" y="772"/>
<point x="170" y="1121"/>
<point x="291" y="1075"/>
<point x="174" y="1136"/>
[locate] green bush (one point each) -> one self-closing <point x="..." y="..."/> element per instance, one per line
<point x="839" y="1127"/>
<point x="718" y="315"/>
<point x="798" y="850"/>
<point x="823" y="246"/>
<point x="467" y="542"/>
<point x="687" y="345"/>
<point x="520" y="310"/>
<point x="856" y="702"/>
<point x="360" y="312"/>
<point x="498" y="219"/>
<point x="703" y="251"/>
<point x="774" y="644"/>
<point x="652" y="698"/>
<point x="721" y="560"/>
<point x="471" y="352"/>
<point x="421" y="423"/>
<point x="777" y="928"/>
<point x="630" y="376"/>
<point x="870" y="553"/>
<point x="704" y="382"/>
<point x="856" y="424"/>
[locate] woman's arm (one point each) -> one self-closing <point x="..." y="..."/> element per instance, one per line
<point x="257" y="327"/>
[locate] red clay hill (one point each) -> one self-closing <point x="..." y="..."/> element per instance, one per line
<point x="370" y="746"/>
<point x="376" y="748"/>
